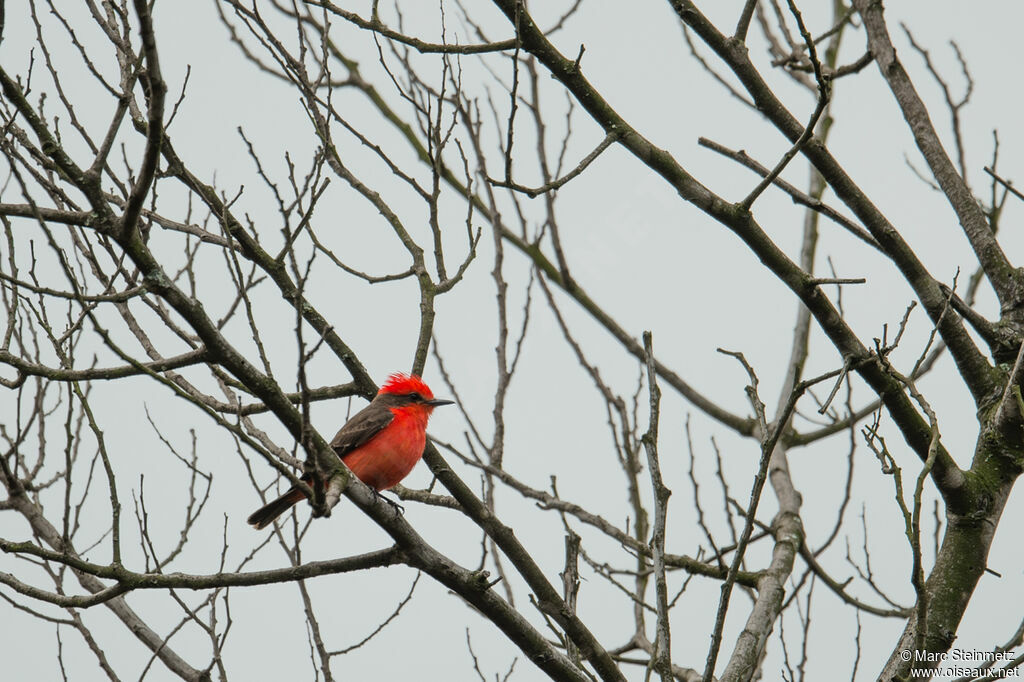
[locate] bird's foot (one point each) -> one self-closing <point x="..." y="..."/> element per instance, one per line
<point x="394" y="505"/>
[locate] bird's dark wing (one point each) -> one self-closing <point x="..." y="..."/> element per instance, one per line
<point x="367" y="423"/>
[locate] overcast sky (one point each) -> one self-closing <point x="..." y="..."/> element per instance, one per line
<point x="649" y="259"/>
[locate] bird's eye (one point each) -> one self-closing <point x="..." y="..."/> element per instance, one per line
<point x="416" y="397"/>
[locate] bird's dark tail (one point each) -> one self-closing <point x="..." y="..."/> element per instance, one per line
<point x="265" y="515"/>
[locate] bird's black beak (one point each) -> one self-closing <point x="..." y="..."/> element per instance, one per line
<point x="437" y="402"/>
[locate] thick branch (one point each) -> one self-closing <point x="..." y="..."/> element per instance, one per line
<point x="1006" y="280"/>
<point x="156" y="91"/>
<point x="377" y="26"/>
<point x="126" y="580"/>
<point x="26" y="368"/>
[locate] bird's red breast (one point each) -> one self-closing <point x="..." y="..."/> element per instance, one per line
<point x="389" y="456"/>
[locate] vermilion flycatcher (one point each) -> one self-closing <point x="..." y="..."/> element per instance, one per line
<point x="381" y="444"/>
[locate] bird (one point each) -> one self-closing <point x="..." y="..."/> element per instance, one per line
<point x="380" y="444"/>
